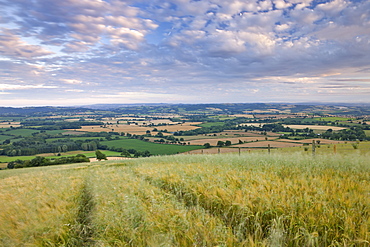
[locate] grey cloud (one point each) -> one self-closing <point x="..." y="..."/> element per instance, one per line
<point x="352" y="80"/>
<point x="12" y="46"/>
<point x="198" y="43"/>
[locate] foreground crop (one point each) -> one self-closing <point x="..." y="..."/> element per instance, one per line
<point x="208" y="200"/>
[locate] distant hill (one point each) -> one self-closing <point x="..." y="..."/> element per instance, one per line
<point x="37" y="110"/>
<point x="225" y="108"/>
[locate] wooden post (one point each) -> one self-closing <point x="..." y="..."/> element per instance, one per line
<point x="202" y="151"/>
<point x="313" y="147"/>
<point x="239" y="151"/>
<point x="269" y="147"/>
<point x="218" y="151"/>
<point x="335" y="148"/>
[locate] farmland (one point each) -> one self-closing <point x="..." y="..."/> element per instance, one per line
<point x="130" y="131"/>
<point x="254" y="199"/>
<point x="156" y="149"/>
<point x="219" y="175"/>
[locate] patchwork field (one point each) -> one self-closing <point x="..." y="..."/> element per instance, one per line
<point x="313" y="127"/>
<point x="138" y="129"/>
<point x="154" y="148"/>
<point x="309" y="141"/>
<point x="7" y="125"/>
<point x="264" y="144"/>
<point x="234" y="140"/>
<point x="190" y="200"/>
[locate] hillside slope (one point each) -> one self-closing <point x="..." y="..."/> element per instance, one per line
<point x="190" y="200"/>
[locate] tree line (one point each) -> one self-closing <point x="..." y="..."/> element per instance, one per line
<point x="42" y="161"/>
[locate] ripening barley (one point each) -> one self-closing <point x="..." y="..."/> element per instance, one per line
<point x="316" y="201"/>
<point x="131" y="212"/>
<point x="37" y="207"/>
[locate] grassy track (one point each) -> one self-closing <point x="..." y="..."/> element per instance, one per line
<point x="190" y="200"/>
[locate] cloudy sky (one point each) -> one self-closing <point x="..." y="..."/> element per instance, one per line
<point x="76" y="52"/>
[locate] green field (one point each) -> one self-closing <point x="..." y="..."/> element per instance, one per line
<point x="29" y="132"/>
<point x="367" y="132"/>
<point x="211" y="124"/>
<point x="190" y="200"/>
<point x="5" y="137"/>
<point x="333" y="119"/>
<point x="362" y="148"/>
<point x="90" y="154"/>
<point x="74" y="138"/>
<point x="153" y="148"/>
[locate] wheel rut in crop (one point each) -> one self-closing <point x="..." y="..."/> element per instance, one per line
<point x="83" y="227"/>
<point x="232" y="216"/>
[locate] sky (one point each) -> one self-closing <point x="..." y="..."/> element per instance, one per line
<point x="82" y="52"/>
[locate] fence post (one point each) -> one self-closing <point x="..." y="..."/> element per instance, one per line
<point x="219" y="151"/>
<point x="335" y="148"/>
<point x="269" y="147"/>
<point x="239" y="151"/>
<point x="313" y="147"/>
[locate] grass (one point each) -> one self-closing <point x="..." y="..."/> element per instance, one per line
<point x="333" y="119"/>
<point x="89" y="154"/>
<point x="29" y="132"/>
<point x="153" y="148"/>
<point x="211" y="124"/>
<point x="36" y="211"/>
<point x="5" y="137"/>
<point x="367" y="132"/>
<point x="327" y="149"/>
<point x="190" y="200"/>
<point x="74" y="138"/>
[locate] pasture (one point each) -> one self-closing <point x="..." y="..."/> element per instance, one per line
<point x="313" y="127"/>
<point x="138" y="129"/>
<point x="153" y="148"/>
<point x="190" y="200"/>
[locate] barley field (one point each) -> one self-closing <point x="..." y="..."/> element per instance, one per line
<point x="254" y="199"/>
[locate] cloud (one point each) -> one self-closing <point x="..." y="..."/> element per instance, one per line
<point x="13" y="46"/>
<point x="167" y="47"/>
<point x="23" y="87"/>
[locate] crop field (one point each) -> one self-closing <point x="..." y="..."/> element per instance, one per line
<point x="179" y="127"/>
<point x="74" y="138"/>
<point x="4" y="137"/>
<point x="313" y="127"/>
<point x="309" y="141"/>
<point x="190" y="200"/>
<point x="233" y="140"/>
<point x="4" y="160"/>
<point x="264" y="144"/>
<point x="334" y="119"/>
<point x="138" y="129"/>
<point x="29" y="132"/>
<point x="211" y="124"/>
<point x="154" y="148"/>
<point x="367" y="132"/>
<point x="7" y="125"/>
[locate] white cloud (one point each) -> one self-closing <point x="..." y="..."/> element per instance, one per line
<point x="23" y="87"/>
<point x="13" y="46"/>
<point x="169" y="46"/>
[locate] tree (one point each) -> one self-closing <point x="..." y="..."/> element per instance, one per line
<point x="220" y="143"/>
<point x="228" y="143"/>
<point x="125" y="153"/>
<point x="100" y="156"/>
<point x="207" y="145"/>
